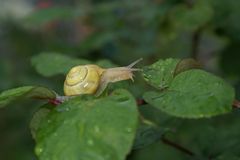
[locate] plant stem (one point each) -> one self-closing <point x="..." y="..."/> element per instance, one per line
<point x="177" y="146"/>
<point x="195" y="43"/>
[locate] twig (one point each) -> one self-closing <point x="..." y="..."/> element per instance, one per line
<point x="177" y="146"/>
<point x="195" y="42"/>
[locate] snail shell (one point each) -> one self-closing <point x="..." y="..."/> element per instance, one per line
<point x="82" y="80"/>
<point x="92" y="79"/>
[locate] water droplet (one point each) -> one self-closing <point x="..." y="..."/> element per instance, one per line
<point x="38" y="150"/>
<point x="90" y="142"/>
<point x="96" y="129"/>
<point x="129" y="130"/>
<point x="211" y="95"/>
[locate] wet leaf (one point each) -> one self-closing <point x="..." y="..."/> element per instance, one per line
<point x="161" y="73"/>
<point x="9" y="96"/>
<point x="97" y="129"/>
<point x="194" y="94"/>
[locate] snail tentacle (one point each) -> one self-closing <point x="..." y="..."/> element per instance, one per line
<point x="134" y="63"/>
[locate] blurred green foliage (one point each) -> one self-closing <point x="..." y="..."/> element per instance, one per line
<point x="120" y="31"/>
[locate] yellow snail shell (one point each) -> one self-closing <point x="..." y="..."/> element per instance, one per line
<point x="92" y="79"/>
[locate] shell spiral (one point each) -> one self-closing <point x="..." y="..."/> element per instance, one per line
<point x="83" y="79"/>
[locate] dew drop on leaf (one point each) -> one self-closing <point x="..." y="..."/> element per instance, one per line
<point x="96" y="129"/>
<point x="38" y="150"/>
<point x="90" y="142"/>
<point x="129" y="130"/>
<point x="65" y="121"/>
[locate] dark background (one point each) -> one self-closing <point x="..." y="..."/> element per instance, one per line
<point x="118" y="30"/>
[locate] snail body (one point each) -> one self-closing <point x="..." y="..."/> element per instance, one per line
<point x="92" y="79"/>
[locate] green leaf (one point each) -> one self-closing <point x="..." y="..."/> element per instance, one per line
<point x="194" y="94"/>
<point x="96" y="41"/>
<point x="161" y="73"/>
<point x="227" y="155"/>
<point x="154" y="124"/>
<point x="199" y="135"/>
<point x="191" y="18"/>
<point x="159" y="151"/>
<point x="37" y="119"/>
<point x="11" y="95"/>
<point x="96" y="129"/>
<point x="50" y="64"/>
<point x="43" y="16"/>
<point x="161" y="119"/>
<point x="146" y="135"/>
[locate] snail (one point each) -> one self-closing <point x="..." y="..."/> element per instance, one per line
<point x="92" y="79"/>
